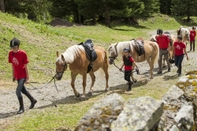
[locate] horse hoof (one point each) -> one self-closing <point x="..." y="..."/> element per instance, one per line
<point x="135" y="81"/>
<point x="78" y="95"/>
<point x="90" y="93"/>
<point x="83" y="97"/>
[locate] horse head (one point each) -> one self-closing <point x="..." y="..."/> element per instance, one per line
<point x="185" y="33"/>
<point x="61" y="66"/>
<point x="112" y="51"/>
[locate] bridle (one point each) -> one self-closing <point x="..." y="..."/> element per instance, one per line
<point x="61" y="72"/>
<point x="116" y="54"/>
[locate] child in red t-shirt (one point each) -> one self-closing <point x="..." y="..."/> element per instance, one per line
<point x="192" y="38"/>
<point x="19" y="60"/>
<point x="128" y="63"/>
<point x="178" y="53"/>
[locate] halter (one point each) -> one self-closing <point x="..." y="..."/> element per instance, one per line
<point x="62" y="72"/>
<point x="116" y="53"/>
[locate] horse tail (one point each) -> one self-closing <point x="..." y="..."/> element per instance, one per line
<point x="156" y="48"/>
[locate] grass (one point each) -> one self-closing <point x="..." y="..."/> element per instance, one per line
<point x="41" y="43"/>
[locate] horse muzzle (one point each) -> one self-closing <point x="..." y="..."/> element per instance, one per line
<point x="111" y="60"/>
<point x="58" y="76"/>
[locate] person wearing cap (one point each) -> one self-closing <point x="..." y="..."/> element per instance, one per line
<point x="192" y="38"/>
<point x="128" y="64"/>
<point x="178" y="53"/>
<point x="164" y="44"/>
<point x="19" y="60"/>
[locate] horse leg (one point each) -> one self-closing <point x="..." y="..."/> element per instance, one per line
<point x="84" y="85"/>
<point x="73" y="78"/>
<point x="133" y="79"/>
<point x="105" y="69"/>
<point x="151" y="65"/>
<point x="91" y="73"/>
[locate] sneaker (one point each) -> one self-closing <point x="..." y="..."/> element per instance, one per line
<point x="159" y="72"/>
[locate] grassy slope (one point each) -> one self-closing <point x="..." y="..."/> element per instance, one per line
<point x="41" y="43"/>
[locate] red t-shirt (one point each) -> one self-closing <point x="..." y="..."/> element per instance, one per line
<point x="192" y="35"/>
<point x="178" y="48"/>
<point x="126" y="67"/>
<point x="162" y="41"/>
<point x="18" y="61"/>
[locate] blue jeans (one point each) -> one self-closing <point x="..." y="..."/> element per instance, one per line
<point x="21" y="87"/>
<point x="178" y="62"/>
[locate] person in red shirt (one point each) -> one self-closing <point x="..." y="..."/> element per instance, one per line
<point x="128" y="64"/>
<point x="178" y="53"/>
<point x="19" y="60"/>
<point x="164" y="43"/>
<point x="192" y="38"/>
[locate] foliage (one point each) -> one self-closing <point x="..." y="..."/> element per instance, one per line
<point x="184" y="8"/>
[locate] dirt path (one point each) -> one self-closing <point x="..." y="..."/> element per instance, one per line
<point x="48" y="96"/>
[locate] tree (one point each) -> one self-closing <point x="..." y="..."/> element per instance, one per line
<point x="184" y="8"/>
<point x="165" y="6"/>
<point x="36" y="10"/>
<point x="2" y="6"/>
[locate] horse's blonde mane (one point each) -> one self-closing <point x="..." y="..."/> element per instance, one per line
<point x="72" y="52"/>
<point x="121" y="45"/>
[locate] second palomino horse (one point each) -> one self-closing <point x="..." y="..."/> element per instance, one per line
<point x="151" y="52"/>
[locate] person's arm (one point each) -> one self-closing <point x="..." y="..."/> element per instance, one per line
<point x="168" y="40"/>
<point x="186" y="53"/>
<point x="13" y="76"/>
<point x="27" y="74"/>
<point x="122" y="66"/>
<point x="173" y="51"/>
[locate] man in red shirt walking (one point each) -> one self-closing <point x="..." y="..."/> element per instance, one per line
<point x="164" y="43"/>
<point x="192" y="38"/>
<point x="18" y="59"/>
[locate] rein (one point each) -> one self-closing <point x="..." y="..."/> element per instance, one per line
<point x="53" y="78"/>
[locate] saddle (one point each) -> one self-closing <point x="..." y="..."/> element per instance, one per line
<point x="90" y="52"/>
<point x="139" y="46"/>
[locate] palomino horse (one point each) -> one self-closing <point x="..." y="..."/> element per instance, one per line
<point x="172" y="40"/>
<point x="151" y="52"/>
<point x="75" y="57"/>
<point x="185" y="34"/>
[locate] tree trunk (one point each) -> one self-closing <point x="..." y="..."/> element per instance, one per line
<point x="107" y="16"/>
<point x="94" y="19"/>
<point x="2" y="6"/>
<point x="188" y="11"/>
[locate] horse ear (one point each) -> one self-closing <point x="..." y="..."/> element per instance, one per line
<point x="62" y="57"/>
<point x="57" y="53"/>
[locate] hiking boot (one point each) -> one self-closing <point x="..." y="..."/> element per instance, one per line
<point x="159" y="72"/>
<point x="32" y="99"/>
<point x="21" y="109"/>
<point x="130" y="85"/>
<point x="33" y="102"/>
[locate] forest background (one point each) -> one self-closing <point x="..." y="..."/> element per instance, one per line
<point x="94" y="11"/>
